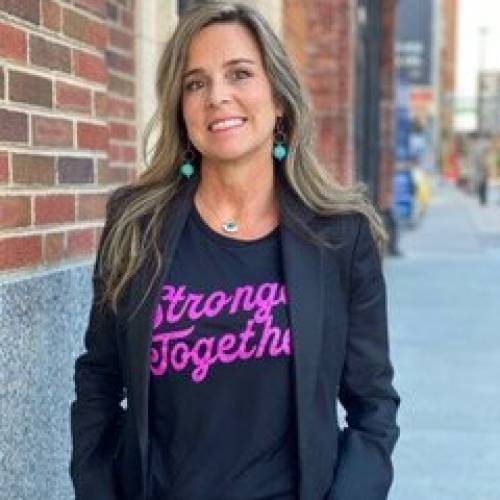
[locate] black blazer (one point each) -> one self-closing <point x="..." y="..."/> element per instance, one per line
<point x="337" y="307"/>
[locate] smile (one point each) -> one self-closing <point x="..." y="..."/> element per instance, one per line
<point x="228" y="124"/>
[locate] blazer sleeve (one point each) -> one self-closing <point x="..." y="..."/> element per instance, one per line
<point x="96" y="413"/>
<point x="364" y="469"/>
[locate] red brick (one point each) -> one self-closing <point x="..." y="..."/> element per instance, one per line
<point x="30" y="89"/>
<point x="101" y="104"/>
<point x="2" y="83"/>
<point x="28" y="10"/>
<point x="50" y="55"/>
<point x="80" y="242"/>
<point x="13" y="43"/>
<point x="322" y="44"/>
<point x="96" y="6"/>
<point x="121" y="131"/>
<point x="20" y="251"/>
<point x="92" y="206"/>
<point x="112" y="12"/>
<point x="127" y="20"/>
<point x="13" y="126"/>
<point x="111" y="175"/>
<point x="51" y="209"/>
<point x="120" y="108"/>
<point x="119" y="62"/>
<point x="121" y="86"/>
<point x="32" y="169"/>
<point x="51" y="15"/>
<point x="129" y="153"/>
<point x="121" y="39"/>
<point x="73" y="98"/>
<point x="54" y="247"/>
<point x="122" y="153"/>
<point x="84" y="29"/>
<point x="52" y="132"/>
<point x="15" y="211"/>
<point x="75" y="170"/>
<point x="4" y="167"/>
<point x="90" y="67"/>
<point x="92" y="136"/>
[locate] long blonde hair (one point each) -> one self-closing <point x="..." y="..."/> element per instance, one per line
<point x="132" y="236"/>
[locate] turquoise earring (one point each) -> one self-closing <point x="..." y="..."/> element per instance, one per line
<point x="187" y="167"/>
<point x="280" y="150"/>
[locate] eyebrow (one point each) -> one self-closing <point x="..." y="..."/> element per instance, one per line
<point x="227" y="63"/>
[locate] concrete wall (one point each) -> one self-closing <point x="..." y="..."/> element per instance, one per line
<point x="42" y="320"/>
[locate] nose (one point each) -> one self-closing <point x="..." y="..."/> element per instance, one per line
<point x="219" y="92"/>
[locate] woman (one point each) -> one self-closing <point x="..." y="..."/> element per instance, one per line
<point x="238" y="291"/>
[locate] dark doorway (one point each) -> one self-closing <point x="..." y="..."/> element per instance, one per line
<point x="367" y="111"/>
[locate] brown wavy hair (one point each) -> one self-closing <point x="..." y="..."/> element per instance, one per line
<point x="131" y="234"/>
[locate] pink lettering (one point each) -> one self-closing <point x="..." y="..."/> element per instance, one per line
<point x="246" y="298"/>
<point x="159" y="354"/>
<point x="215" y="303"/>
<point x="174" y="296"/>
<point x="202" y="361"/>
<point x="245" y="336"/>
<point x="158" y="317"/>
<point x="195" y="299"/>
<point x="269" y="333"/>
<point x="180" y="356"/>
<point x="226" y="342"/>
<point x="173" y="350"/>
<point x="242" y="293"/>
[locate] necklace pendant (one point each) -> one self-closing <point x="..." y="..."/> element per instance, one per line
<point x="230" y="227"/>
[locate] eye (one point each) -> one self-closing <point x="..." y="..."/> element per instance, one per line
<point x="191" y="85"/>
<point x="242" y="72"/>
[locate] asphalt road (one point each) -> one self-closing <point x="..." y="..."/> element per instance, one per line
<point x="444" y="316"/>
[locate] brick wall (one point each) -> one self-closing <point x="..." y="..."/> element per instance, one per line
<point x="387" y="108"/>
<point x="448" y="65"/>
<point x="67" y="124"/>
<point x="321" y="40"/>
<point x="318" y="33"/>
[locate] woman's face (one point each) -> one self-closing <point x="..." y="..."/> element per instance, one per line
<point x="225" y="78"/>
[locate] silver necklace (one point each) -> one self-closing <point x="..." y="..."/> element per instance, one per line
<point x="229" y="226"/>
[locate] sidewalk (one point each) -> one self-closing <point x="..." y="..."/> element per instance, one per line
<point x="486" y="219"/>
<point x="444" y="302"/>
<point x="455" y="225"/>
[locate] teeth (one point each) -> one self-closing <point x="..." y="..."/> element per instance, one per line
<point x="226" y="124"/>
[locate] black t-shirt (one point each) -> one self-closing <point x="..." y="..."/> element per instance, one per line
<point x="221" y="392"/>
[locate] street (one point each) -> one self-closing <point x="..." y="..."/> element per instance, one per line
<point x="444" y="312"/>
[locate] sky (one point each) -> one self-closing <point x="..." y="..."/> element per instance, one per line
<point x="473" y="15"/>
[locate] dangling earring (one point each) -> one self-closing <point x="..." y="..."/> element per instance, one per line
<point x="187" y="167"/>
<point x="280" y="150"/>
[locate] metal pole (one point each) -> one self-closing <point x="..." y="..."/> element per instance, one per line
<point x="483" y="33"/>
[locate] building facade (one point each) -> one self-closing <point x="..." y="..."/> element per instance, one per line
<point x="67" y="137"/>
<point x="76" y="92"/>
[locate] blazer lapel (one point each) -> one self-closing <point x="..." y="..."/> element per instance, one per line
<point x="139" y="326"/>
<point x="303" y="266"/>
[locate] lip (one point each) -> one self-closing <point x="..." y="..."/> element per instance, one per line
<point x="226" y="118"/>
